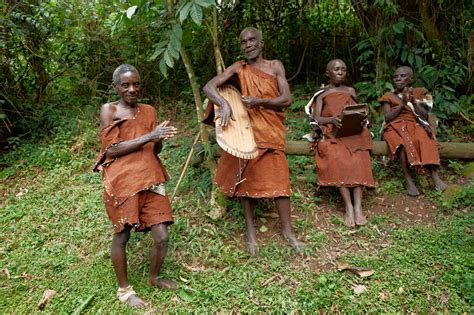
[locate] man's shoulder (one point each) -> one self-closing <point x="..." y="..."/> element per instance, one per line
<point x="109" y="106"/>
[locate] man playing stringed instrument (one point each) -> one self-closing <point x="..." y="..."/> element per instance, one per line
<point x="266" y="94"/>
<point x="406" y="130"/>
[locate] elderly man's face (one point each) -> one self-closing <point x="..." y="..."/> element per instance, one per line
<point x="128" y="87"/>
<point x="402" y="78"/>
<point x="251" y="44"/>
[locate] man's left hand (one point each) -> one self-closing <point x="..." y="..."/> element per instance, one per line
<point x="250" y="101"/>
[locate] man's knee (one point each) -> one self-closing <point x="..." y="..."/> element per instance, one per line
<point x="160" y="233"/>
<point x="122" y="238"/>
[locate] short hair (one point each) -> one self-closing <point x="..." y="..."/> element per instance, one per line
<point x="124" y="68"/>
<point x="407" y="68"/>
<point x="251" y="28"/>
<point x="332" y="62"/>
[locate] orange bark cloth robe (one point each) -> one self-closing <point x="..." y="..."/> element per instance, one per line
<point x="266" y="176"/>
<point x="345" y="161"/>
<point x="130" y="180"/>
<point x="405" y="131"/>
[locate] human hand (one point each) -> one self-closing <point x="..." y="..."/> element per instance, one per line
<point x="250" y="101"/>
<point x="336" y="121"/>
<point x="224" y="112"/>
<point x="407" y="95"/>
<point x="163" y="131"/>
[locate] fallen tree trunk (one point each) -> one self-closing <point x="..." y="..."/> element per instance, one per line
<point x="447" y="150"/>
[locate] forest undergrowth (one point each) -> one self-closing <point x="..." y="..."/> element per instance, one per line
<point x="56" y="236"/>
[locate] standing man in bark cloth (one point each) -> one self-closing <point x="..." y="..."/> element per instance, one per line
<point x="407" y="131"/>
<point x="265" y="93"/>
<point x="133" y="178"/>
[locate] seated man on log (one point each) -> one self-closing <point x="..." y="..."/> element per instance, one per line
<point x="266" y="94"/>
<point x="407" y="131"/>
<point x="133" y="178"/>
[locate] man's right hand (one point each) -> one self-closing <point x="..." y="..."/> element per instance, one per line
<point x="224" y="112"/>
<point x="163" y="131"/>
<point x="336" y="121"/>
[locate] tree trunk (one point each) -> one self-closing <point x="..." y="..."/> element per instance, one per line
<point x="428" y="23"/>
<point x="197" y="95"/>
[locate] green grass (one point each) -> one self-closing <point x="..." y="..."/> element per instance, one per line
<point x="56" y="235"/>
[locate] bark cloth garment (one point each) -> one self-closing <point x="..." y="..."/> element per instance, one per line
<point x="405" y="131"/>
<point x="342" y="162"/>
<point x="266" y="176"/>
<point x="133" y="194"/>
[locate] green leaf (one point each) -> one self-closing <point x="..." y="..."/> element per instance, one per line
<point x="419" y="61"/>
<point x="404" y="56"/>
<point x="172" y="51"/>
<point x="163" y="68"/>
<point x="159" y="49"/>
<point x="184" y="12"/>
<point x="196" y="14"/>
<point x="131" y="11"/>
<point x="177" y="31"/>
<point x="398" y="27"/>
<point x="411" y="58"/>
<point x="175" y="43"/>
<point x="168" y="59"/>
<point x="156" y="53"/>
<point x="186" y="295"/>
<point x="205" y="3"/>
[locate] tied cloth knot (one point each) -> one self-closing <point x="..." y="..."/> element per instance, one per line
<point x="124" y="294"/>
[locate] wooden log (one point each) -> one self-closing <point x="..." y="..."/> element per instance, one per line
<point x="447" y="150"/>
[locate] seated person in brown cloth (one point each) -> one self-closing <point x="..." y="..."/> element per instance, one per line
<point x="266" y="94"/>
<point x="406" y="130"/>
<point x="133" y="178"/>
<point x="342" y="162"/>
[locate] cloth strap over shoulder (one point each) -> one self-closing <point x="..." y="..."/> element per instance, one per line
<point x="317" y="131"/>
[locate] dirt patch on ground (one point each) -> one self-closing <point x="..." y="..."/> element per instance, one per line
<point x="386" y="213"/>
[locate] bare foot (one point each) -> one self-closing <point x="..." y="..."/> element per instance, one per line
<point x="411" y="188"/>
<point x="163" y="284"/>
<point x="129" y="297"/>
<point x="360" y="218"/>
<point x="349" y="217"/>
<point x="290" y="237"/>
<point x="252" y="248"/>
<point x="135" y="301"/>
<point x="439" y="184"/>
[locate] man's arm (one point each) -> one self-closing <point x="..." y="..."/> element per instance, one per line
<point x="391" y="113"/>
<point x="319" y="109"/>
<point x="161" y="132"/>
<point x="277" y="103"/>
<point x="210" y="89"/>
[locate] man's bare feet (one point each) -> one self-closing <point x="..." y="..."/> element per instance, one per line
<point x="163" y="283"/>
<point x="349" y="217"/>
<point x="252" y="248"/>
<point x="360" y="218"/>
<point x="128" y="296"/>
<point x="290" y="237"/>
<point x="411" y="188"/>
<point x="439" y="184"/>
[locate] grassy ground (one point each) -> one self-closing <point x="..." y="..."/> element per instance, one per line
<point x="56" y="236"/>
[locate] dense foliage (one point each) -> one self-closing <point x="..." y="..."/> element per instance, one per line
<point x="57" y="56"/>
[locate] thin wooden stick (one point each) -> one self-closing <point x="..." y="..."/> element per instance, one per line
<point x="185" y="166"/>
